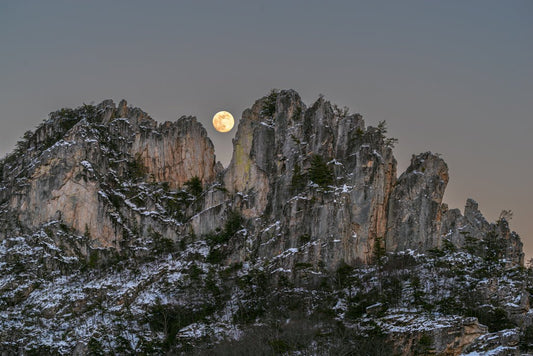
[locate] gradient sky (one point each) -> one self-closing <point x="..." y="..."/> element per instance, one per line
<point x="453" y="77"/>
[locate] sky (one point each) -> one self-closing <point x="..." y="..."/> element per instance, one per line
<point x="452" y="77"/>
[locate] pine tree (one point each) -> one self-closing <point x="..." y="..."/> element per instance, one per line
<point x="494" y="247"/>
<point x="320" y="173"/>
<point x="379" y="251"/>
<point x="269" y="105"/>
<point x="194" y="186"/>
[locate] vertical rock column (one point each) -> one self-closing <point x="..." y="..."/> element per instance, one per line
<point x="415" y="205"/>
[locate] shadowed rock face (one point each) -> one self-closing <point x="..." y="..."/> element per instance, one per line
<point x="75" y="162"/>
<point x="276" y="141"/>
<point x="415" y="207"/>
<point x="472" y="229"/>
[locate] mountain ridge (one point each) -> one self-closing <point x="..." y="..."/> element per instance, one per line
<point x="311" y="195"/>
<point x="277" y="136"/>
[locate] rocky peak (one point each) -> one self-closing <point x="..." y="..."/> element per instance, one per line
<point x="415" y="205"/>
<point x="473" y="215"/>
<point x="77" y="153"/>
<point x="473" y="232"/>
<point x="123" y="110"/>
<point x="109" y="218"/>
<point x="510" y="242"/>
<point x="282" y="149"/>
<point x="312" y="171"/>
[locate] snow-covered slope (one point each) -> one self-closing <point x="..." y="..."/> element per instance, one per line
<point x="119" y="235"/>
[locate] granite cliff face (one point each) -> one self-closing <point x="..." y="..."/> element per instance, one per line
<point x="270" y="179"/>
<point x="415" y="209"/>
<point x="276" y="143"/>
<point x="310" y="206"/>
<point x="75" y="160"/>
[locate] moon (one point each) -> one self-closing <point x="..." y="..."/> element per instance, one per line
<point x="223" y="121"/>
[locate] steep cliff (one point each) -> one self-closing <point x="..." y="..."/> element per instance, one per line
<point x="70" y="168"/>
<point x="311" y="179"/>
<point x="316" y="178"/>
<point x="112" y="222"/>
<point x="415" y="208"/>
<point x="282" y="146"/>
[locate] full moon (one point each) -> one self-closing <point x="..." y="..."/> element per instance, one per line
<point x="223" y="121"/>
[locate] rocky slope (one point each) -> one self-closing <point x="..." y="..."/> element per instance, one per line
<point x="112" y="222"/>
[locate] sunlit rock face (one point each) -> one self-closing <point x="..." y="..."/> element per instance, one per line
<point x="172" y="152"/>
<point x="176" y="152"/>
<point x="74" y="159"/>
<point x="57" y="179"/>
<point x="63" y="186"/>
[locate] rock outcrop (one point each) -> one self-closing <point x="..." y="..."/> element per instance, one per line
<point x="72" y="162"/>
<point x="474" y="232"/>
<point x="501" y="343"/>
<point x="276" y="143"/>
<point x="110" y="219"/>
<point x="313" y="181"/>
<point x="271" y="168"/>
<point x="415" y="208"/>
<point x="450" y="337"/>
<point x="172" y="152"/>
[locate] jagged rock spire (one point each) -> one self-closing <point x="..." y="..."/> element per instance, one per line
<point x="76" y="159"/>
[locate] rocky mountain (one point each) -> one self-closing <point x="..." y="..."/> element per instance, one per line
<point x="123" y="235"/>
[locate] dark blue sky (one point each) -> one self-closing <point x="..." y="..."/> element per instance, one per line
<point x="454" y="77"/>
